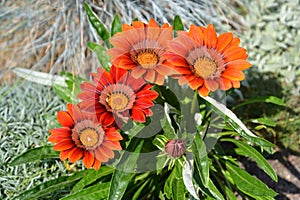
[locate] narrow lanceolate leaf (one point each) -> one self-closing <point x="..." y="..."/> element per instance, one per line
<point x="100" y="52"/>
<point x="201" y="158"/>
<point x="40" y="77"/>
<point x="246" y="150"/>
<point x="97" y="24"/>
<point x="65" y="93"/>
<point x="214" y="191"/>
<point x="35" y="155"/>
<point x="174" y="185"/>
<point x="116" y="26"/>
<point x="98" y="191"/>
<point x="236" y="123"/>
<point x="187" y="174"/>
<point x="269" y="99"/>
<point x="166" y="124"/>
<point x="177" y="24"/>
<point x="51" y="186"/>
<point x="247" y="183"/>
<point x="92" y="177"/>
<point x="124" y="171"/>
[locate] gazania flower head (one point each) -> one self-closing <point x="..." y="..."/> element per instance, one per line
<point x="117" y="96"/>
<point x="140" y="48"/>
<point x="82" y="136"/>
<point x="207" y="62"/>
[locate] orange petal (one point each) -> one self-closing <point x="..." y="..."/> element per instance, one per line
<point x="196" y="33"/>
<point x="61" y="130"/>
<point x="137" y="115"/>
<point x="65" y="119"/>
<point x="203" y="91"/>
<point x="88" y="159"/>
<point x="152" y="23"/>
<point x="210" y="36"/>
<point x="64" y="145"/>
<point x="211" y="84"/>
<point x="233" y="53"/>
<point x="196" y="83"/>
<point x="177" y="48"/>
<point x="113" y="135"/>
<point x="238" y="65"/>
<point x="233" y="75"/>
<point x="99" y="155"/>
<point x="97" y="165"/>
<point x="126" y="63"/>
<point x="159" y="79"/>
<point x="149" y="94"/>
<point x="150" y="75"/>
<point x="224" y="83"/>
<point x="137" y="24"/>
<point x="126" y="27"/>
<point x="182" y="80"/>
<point x="177" y="61"/>
<point x="164" y="70"/>
<point x="114" y="145"/>
<point x="55" y="138"/>
<point x="106" y="151"/>
<point x="223" y="40"/>
<point x="75" y="155"/>
<point x="236" y="84"/>
<point x="65" y="154"/>
<point x="107" y="118"/>
<point x="75" y="112"/>
<point x="137" y="72"/>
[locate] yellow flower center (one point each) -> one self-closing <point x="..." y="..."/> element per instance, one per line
<point x="147" y="59"/>
<point x="117" y="101"/>
<point x="89" y="137"/>
<point x="204" y="67"/>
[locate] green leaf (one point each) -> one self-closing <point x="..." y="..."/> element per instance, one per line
<point x="177" y="24"/>
<point x="97" y="24"/>
<point x="123" y="173"/>
<point x="214" y="191"/>
<point x="73" y="82"/>
<point x="135" y="130"/>
<point x="51" y="186"/>
<point x="229" y="194"/>
<point x="35" y="155"/>
<point x="39" y="77"/>
<point x="247" y="183"/>
<point x="170" y="96"/>
<point x="201" y="158"/>
<point x="64" y="93"/>
<point x="174" y="185"/>
<point x="140" y="190"/>
<point x="92" y="177"/>
<point x="100" y="52"/>
<point x="264" y="121"/>
<point x="269" y="99"/>
<point x="166" y="124"/>
<point x="98" y="191"/>
<point x="160" y="141"/>
<point x="187" y="175"/>
<point x="116" y="26"/>
<point x="236" y="123"/>
<point x="246" y="150"/>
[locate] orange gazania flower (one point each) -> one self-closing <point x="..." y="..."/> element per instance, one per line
<point x="140" y="48"/>
<point x="117" y="96"/>
<point x="83" y="136"/>
<point x="207" y="61"/>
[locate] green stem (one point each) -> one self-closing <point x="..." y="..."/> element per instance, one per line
<point x="194" y="102"/>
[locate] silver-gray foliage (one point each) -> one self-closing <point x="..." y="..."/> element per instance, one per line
<point x="27" y="112"/>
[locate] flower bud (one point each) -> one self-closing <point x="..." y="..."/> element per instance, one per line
<point x="175" y="148"/>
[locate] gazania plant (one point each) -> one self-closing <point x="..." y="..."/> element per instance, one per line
<point x="152" y="122"/>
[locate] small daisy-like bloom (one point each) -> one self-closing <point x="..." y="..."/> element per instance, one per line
<point x="207" y="62"/>
<point x="117" y="96"/>
<point x="82" y="136"/>
<point x="140" y="48"/>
